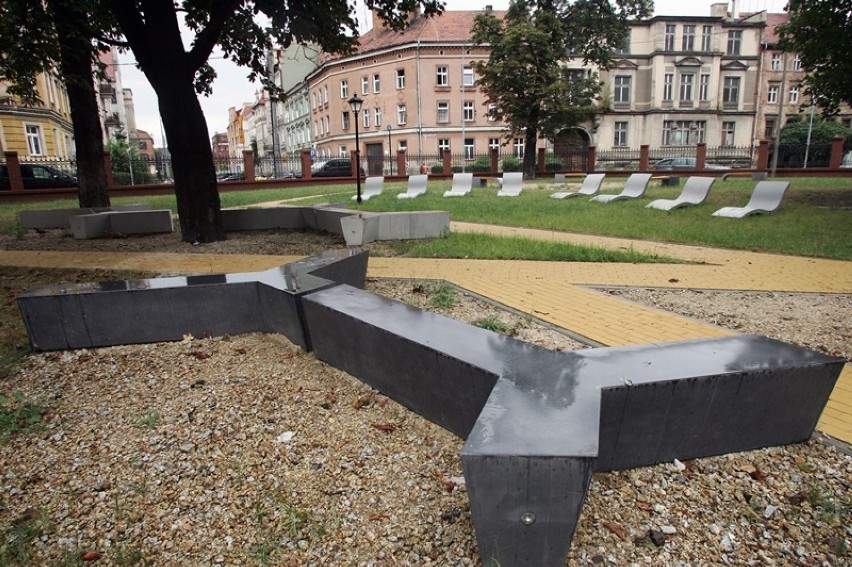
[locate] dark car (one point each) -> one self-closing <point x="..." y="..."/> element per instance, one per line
<point x="38" y="177"/>
<point x="683" y="163"/>
<point x="338" y="167"/>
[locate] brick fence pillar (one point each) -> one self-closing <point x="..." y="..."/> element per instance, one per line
<point x="591" y="159"/>
<point x="108" y="170"/>
<point x="248" y="164"/>
<point x="540" y="159"/>
<point x="401" y="168"/>
<point x="13" y="166"/>
<point x="448" y="162"/>
<point x="644" y="158"/>
<point x="305" y="159"/>
<point x="762" y="155"/>
<point x="700" y="155"/>
<point x="494" y="154"/>
<point x="836" y="159"/>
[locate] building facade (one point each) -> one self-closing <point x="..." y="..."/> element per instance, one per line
<point x="40" y="131"/>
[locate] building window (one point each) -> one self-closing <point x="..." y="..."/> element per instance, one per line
<point x="794" y="94"/>
<point x="492" y="111"/>
<point x="668" y="85"/>
<point x="377" y="116"/>
<point x="401" y="114"/>
<point x="467" y="111"/>
<point x="442" y="76"/>
<point x="735" y="39"/>
<point x="443" y="145"/>
<point x="377" y="83"/>
<point x="620" y="139"/>
<point x="797" y="62"/>
<point x="769" y="128"/>
<point x="624" y="47"/>
<point x="402" y="145"/>
<point x="686" y="81"/>
<point x="622" y="89"/>
<point x="731" y="91"/>
<point x="772" y="94"/>
<point x="365" y="85"/>
<point x="345" y="121"/>
<point x="704" y="88"/>
<point x="688" y="40"/>
<point x="494" y="144"/>
<point x="366" y="121"/>
<point x="669" y="38"/>
<point x="518" y="147"/>
<point x="34" y="142"/>
<point x="683" y="132"/>
<point x="400" y="78"/>
<point x="728" y="129"/>
<point x="443" y="112"/>
<point x="775" y="65"/>
<point x="325" y="94"/>
<point x="341" y="151"/>
<point x="467" y="77"/>
<point x="468" y="148"/>
<point x="706" y="38"/>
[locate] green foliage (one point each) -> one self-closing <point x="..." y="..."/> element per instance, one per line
<point x="820" y="31"/>
<point x="16" y="539"/>
<point x="124" y="158"/>
<point x="17" y="415"/>
<point x="512" y="164"/>
<point x="437" y="169"/>
<point x="524" y="73"/>
<point x="795" y="132"/>
<point x="151" y="419"/>
<point x="553" y="165"/>
<point x="442" y="295"/>
<point x="493" y="323"/>
<point x="481" y="165"/>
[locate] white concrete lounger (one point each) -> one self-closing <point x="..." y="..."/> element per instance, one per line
<point x="634" y="188"/>
<point x="694" y="192"/>
<point x="766" y="198"/>
<point x="462" y="185"/>
<point x="373" y="186"/>
<point x="512" y="184"/>
<point x="591" y="185"/>
<point x="416" y="187"/>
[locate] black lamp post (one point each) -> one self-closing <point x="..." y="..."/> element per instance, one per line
<point x="390" y="149"/>
<point x="355" y="103"/>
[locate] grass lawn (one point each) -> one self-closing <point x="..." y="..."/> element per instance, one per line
<point x="815" y="218"/>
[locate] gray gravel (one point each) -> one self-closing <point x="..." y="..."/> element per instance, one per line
<point x="246" y="451"/>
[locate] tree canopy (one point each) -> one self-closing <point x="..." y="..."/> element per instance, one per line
<point x="527" y="75"/>
<point x="821" y="32"/>
<point x="795" y="132"/>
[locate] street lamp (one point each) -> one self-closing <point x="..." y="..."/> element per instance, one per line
<point x="390" y="150"/>
<point x="355" y="103"/>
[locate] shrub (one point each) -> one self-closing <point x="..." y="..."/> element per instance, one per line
<point x="512" y="164"/>
<point x="481" y="165"/>
<point x="553" y="165"/>
<point x="437" y="169"/>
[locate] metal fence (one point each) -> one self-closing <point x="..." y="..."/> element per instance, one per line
<point x="68" y="166"/>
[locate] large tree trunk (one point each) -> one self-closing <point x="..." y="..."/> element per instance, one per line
<point x="76" y="67"/>
<point x="530" y="151"/>
<point x="196" y="191"/>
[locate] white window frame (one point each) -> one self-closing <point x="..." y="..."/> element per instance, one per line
<point x="669" y="37"/>
<point x="772" y="94"/>
<point x="344" y="120"/>
<point x="468" y="112"/>
<point x="443" y="112"/>
<point x="797" y="62"/>
<point x="400" y="78"/>
<point x="442" y="76"/>
<point x="518" y="147"/>
<point x="735" y="41"/>
<point x="365" y="85"/>
<point x="469" y="148"/>
<point x="377" y="83"/>
<point x="685" y="91"/>
<point x="668" y="87"/>
<point x="35" y="139"/>
<point x="729" y="129"/>
<point x="687" y="41"/>
<point x="704" y="87"/>
<point x="731" y="90"/>
<point x="775" y="63"/>
<point x="494" y="144"/>
<point x="794" y="94"/>
<point x="706" y="38"/>
<point x="377" y="116"/>
<point x="401" y="114"/>
<point x="620" y="129"/>
<point x="492" y="109"/>
<point x="468" y="79"/>
<point x="344" y="88"/>
<point x="443" y="145"/>
<point x="365" y="113"/>
<point x="621" y="90"/>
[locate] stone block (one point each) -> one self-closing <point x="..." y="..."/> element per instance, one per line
<point x="360" y="229"/>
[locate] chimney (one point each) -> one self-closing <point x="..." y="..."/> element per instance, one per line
<point x="735" y="13"/>
<point x="719" y="10"/>
<point x="489" y="8"/>
<point x="377" y="21"/>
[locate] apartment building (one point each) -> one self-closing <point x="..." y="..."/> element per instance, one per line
<point x="684" y="80"/>
<point x="418" y="89"/>
<point x="40" y="131"/>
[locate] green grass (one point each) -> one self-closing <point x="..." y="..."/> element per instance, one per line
<point x="17" y="415"/>
<point x="484" y="246"/>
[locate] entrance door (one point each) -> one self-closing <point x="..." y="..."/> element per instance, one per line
<point x="571" y="147"/>
<point x="375" y="159"/>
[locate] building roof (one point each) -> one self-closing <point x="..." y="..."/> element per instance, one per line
<point x="452" y="26"/>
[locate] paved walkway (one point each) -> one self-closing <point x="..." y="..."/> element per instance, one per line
<point x="555" y="292"/>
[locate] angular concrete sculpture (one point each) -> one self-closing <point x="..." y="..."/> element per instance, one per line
<point x="537" y="423"/>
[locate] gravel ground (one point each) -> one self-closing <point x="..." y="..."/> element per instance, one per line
<point x="247" y="451"/>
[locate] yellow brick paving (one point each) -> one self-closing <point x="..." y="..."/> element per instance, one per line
<point x="554" y="291"/>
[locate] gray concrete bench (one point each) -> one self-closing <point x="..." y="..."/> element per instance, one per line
<point x="96" y="225"/>
<point x="61" y="218"/>
<point x="537" y="423"/>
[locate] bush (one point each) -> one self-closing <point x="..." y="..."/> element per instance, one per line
<point x="437" y="169"/>
<point x="481" y="165"/>
<point x="512" y="164"/>
<point x="553" y="165"/>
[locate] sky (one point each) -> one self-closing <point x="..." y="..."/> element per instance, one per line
<point x="232" y="88"/>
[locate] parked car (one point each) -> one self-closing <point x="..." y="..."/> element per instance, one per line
<point x="38" y="177"/>
<point x="683" y="163"/>
<point x="338" y="167"/>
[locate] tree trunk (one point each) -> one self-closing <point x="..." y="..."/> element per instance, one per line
<point x="530" y="151"/>
<point x="76" y="68"/>
<point x="196" y="190"/>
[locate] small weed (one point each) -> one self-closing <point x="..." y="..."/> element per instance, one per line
<point x="17" y="415"/>
<point x="493" y="323"/>
<point x="125" y="555"/>
<point x="442" y="295"/>
<point x="15" y="540"/>
<point x="19" y="231"/>
<point x="278" y="521"/>
<point x="150" y="419"/>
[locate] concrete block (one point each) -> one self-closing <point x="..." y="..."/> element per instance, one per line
<point x="263" y="218"/>
<point x="50" y="218"/>
<point x="360" y="229"/>
<point x="141" y="222"/>
<point x="759" y="176"/>
<point x="94" y="225"/>
<point x="430" y="224"/>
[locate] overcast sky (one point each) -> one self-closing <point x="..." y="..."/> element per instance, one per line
<point x="231" y="87"/>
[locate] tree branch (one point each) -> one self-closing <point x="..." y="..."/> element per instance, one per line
<point x="209" y="36"/>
